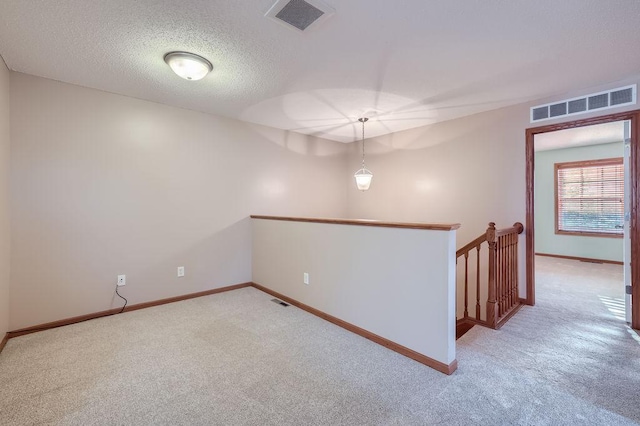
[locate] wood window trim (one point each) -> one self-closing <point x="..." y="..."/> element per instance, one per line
<point x="587" y="234"/>
<point x="617" y="161"/>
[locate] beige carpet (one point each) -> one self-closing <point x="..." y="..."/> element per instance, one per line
<point x="239" y="359"/>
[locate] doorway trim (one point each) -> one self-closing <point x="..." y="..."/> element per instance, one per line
<point x="634" y="175"/>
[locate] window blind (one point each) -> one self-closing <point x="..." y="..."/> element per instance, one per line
<point x="590" y="197"/>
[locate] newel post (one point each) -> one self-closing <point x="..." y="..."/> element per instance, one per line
<point x="519" y="227"/>
<point x="492" y="312"/>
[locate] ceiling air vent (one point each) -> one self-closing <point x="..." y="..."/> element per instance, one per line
<point x="556" y="110"/>
<point x="540" y="113"/>
<point x="595" y="101"/>
<point x="300" y="15"/>
<point x="578" y="105"/>
<point x="623" y="96"/>
<point x="598" y="101"/>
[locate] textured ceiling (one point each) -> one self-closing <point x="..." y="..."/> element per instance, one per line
<point x="403" y="64"/>
<point x="580" y="136"/>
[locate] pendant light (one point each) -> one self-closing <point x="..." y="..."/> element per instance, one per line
<point x="363" y="176"/>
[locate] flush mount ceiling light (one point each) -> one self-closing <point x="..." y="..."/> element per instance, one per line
<point x="363" y="176"/>
<point x="188" y="65"/>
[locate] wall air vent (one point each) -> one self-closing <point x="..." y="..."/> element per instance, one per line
<point x="593" y="102"/>
<point x="300" y="15"/>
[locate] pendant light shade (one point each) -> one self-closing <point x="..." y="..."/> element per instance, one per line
<point x="188" y="65"/>
<point x="363" y="176"/>
<point x="363" y="179"/>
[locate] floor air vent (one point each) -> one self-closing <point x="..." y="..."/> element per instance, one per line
<point x="595" y="101"/>
<point x="280" y="302"/>
<point x="300" y="15"/>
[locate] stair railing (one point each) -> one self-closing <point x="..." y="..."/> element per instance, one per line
<point x="502" y="300"/>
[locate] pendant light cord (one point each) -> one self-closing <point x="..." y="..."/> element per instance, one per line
<point x="363" y="144"/>
<point x="363" y="120"/>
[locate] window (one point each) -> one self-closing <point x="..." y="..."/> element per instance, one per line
<point x="590" y="198"/>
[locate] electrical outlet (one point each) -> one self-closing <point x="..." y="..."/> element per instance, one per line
<point x="122" y="280"/>
<point x="180" y="271"/>
<point x="305" y="278"/>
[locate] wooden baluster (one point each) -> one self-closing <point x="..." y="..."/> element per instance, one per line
<point x="510" y="270"/>
<point x="492" y="319"/>
<point x="466" y="284"/>
<point x="506" y="275"/>
<point x="505" y="304"/>
<point x="514" y="263"/>
<point x="478" y="282"/>
<point x="507" y="292"/>
<point x="514" y="268"/>
<point x="515" y="271"/>
<point x="510" y="282"/>
<point x="514" y="260"/>
<point x="516" y="297"/>
<point x="497" y="278"/>
<point x="505" y="282"/>
<point x="500" y="277"/>
<point x="511" y="301"/>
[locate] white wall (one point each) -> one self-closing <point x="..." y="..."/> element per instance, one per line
<point x="396" y="283"/>
<point x="547" y="241"/>
<point x="4" y="199"/>
<point x="104" y="184"/>
<point x="458" y="171"/>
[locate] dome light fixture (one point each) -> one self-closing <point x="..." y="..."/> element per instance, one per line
<point x="188" y="65"/>
<point x="363" y="176"/>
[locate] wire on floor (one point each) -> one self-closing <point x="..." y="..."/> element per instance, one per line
<point x="125" y="300"/>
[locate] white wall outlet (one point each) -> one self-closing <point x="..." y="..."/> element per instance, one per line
<point x="305" y="278"/>
<point x="180" y="271"/>
<point x="122" y="280"/>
